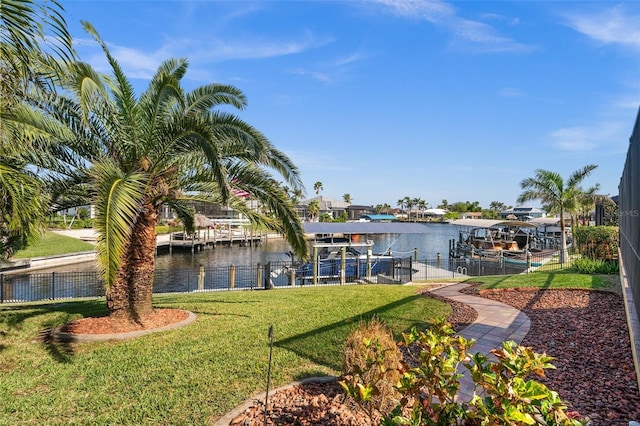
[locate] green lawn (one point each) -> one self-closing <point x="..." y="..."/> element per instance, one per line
<point x="557" y="279"/>
<point x="198" y="373"/>
<point x="52" y="244"/>
<point x="194" y="374"/>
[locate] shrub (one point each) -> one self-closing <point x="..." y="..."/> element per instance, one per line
<point x="371" y="368"/>
<point x="595" y="266"/>
<point x="597" y="242"/>
<point x="430" y="382"/>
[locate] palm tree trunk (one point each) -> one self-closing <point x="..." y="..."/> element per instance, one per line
<point x="564" y="253"/>
<point x="130" y="295"/>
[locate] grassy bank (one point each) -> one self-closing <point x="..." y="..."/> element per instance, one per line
<point x="52" y="244"/>
<point x="194" y="374"/>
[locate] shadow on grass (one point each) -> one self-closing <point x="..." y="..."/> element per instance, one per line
<point x="324" y="345"/>
<point x="15" y="317"/>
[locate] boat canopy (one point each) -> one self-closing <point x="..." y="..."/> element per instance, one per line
<point x="548" y="221"/>
<point x="365" y="228"/>
<point x="491" y="223"/>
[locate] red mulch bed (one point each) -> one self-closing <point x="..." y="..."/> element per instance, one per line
<point x="108" y="325"/>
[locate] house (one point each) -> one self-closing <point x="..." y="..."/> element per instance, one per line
<point x="470" y="215"/>
<point x="330" y="206"/>
<point x="522" y="213"/>
<point x="355" y="212"/>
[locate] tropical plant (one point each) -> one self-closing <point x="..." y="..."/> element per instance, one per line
<point x="317" y="187"/>
<point x="497" y="206"/>
<point x="557" y="195"/>
<point x="313" y="208"/>
<point x="168" y="146"/>
<point x="347" y="198"/>
<point x="34" y="47"/>
<point x="430" y="381"/>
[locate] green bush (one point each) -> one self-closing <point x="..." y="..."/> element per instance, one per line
<point x="597" y="242"/>
<point x="431" y="380"/>
<point x="595" y="266"/>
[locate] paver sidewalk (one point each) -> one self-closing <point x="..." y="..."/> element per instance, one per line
<point x="495" y="324"/>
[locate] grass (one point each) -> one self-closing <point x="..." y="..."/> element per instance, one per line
<point x="195" y="374"/>
<point x="52" y="244"/>
<point x="564" y="278"/>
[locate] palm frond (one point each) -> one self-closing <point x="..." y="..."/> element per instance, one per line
<point x="210" y="96"/>
<point x="119" y="200"/>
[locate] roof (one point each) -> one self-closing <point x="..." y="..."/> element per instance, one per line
<point x="326" y="203"/>
<point x="365" y="228"/>
<point x="373" y="217"/>
<point x="490" y="223"/>
<point x="539" y="221"/>
<point x="435" y="212"/>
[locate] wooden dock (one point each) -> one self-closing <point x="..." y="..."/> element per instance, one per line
<point x="208" y="239"/>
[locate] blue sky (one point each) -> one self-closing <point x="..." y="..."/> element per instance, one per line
<point x="387" y="99"/>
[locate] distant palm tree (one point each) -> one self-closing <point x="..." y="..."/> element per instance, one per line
<point x="298" y="194"/>
<point x="347" y="198"/>
<point x="556" y="195"/>
<point x="317" y="187"/>
<point x="422" y="205"/>
<point x="497" y="206"/>
<point x="586" y="200"/>
<point x="313" y="208"/>
<point x="167" y="146"/>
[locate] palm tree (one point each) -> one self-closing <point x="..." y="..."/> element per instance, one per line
<point x="556" y="195"/>
<point x="422" y="205"/>
<point x="167" y="146"/>
<point x="586" y="200"/>
<point x="29" y="62"/>
<point x="317" y="187"/>
<point x="409" y="203"/>
<point x="347" y="198"/>
<point x="497" y="206"/>
<point x="313" y="208"/>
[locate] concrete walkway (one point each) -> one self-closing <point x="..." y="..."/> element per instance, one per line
<point x="495" y="324"/>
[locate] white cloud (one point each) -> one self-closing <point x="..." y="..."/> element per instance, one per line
<point x="316" y="75"/>
<point x="510" y="92"/>
<point x="467" y="34"/>
<point x="615" y="25"/>
<point x="143" y="64"/>
<point x="588" y="138"/>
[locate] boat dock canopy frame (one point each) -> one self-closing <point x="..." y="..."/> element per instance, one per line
<point x="490" y="223"/>
<point x="328" y="228"/>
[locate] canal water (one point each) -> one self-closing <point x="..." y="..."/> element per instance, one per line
<point x="434" y="240"/>
<point x="183" y="271"/>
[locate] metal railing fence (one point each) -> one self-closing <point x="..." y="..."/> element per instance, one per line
<point x="28" y="287"/>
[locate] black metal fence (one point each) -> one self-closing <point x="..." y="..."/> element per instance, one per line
<point x="629" y="204"/>
<point x="28" y="287"/>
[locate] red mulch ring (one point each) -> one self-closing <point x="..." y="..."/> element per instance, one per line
<point x="108" y="325"/>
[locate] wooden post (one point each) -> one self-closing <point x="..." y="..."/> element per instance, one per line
<point x="232" y="276"/>
<point x="343" y="265"/>
<point x="201" y="278"/>
<point x="316" y="265"/>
